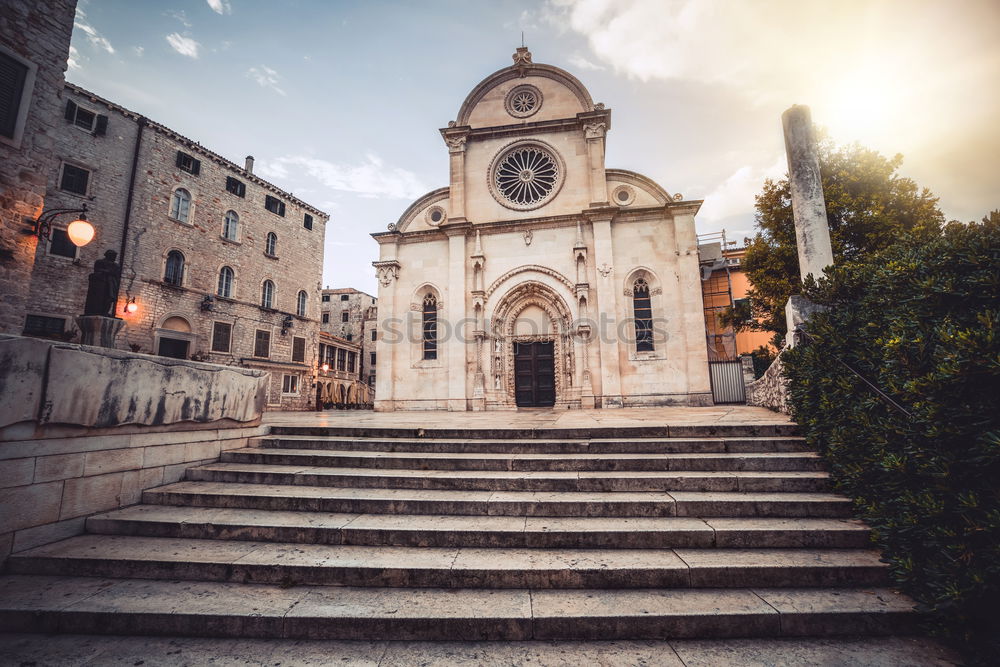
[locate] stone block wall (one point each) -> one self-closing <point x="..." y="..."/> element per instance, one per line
<point x="37" y="34"/>
<point x="771" y="390"/>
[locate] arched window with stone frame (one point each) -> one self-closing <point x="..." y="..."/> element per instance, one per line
<point x="267" y="294"/>
<point x="225" y="287"/>
<point x="429" y="328"/>
<point x="642" y="311"/>
<point x="173" y="273"/>
<point x="180" y="205"/>
<point x="300" y="303"/>
<point x="271" y="245"/>
<point x="231" y="226"/>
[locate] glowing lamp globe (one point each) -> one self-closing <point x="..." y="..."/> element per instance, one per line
<point x="131" y="307"/>
<point x="326" y="367"/>
<point x="80" y="232"/>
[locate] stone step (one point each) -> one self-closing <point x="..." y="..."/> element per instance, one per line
<point x="504" y="480"/>
<point x="479" y="531"/>
<point x="456" y="567"/>
<point x="492" y="432"/>
<point x="153" y="607"/>
<point x="765" y="461"/>
<point x="594" y="446"/>
<point x="499" y="503"/>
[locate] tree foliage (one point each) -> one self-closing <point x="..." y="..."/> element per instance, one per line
<point x="869" y="206"/>
<point x="922" y="321"/>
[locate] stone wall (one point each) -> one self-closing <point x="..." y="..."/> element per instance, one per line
<point x="771" y="390"/>
<point x="176" y="312"/>
<point x="36" y="34"/>
<point x="86" y="430"/>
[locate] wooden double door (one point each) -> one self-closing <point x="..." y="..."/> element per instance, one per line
<point x="534" y="374"/>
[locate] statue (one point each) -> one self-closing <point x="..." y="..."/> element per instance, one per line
<point x="102" y="288"/>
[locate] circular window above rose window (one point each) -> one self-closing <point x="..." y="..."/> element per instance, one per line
<point x="525" y="176"/>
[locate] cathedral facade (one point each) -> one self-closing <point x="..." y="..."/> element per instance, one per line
<point x="538" y="277"/>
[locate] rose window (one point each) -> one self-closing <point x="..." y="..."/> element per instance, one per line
<point x="526" y="176"/>
<point x="523" y="102"/>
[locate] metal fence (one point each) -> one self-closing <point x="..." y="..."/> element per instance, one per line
<point x="727" y="381"/>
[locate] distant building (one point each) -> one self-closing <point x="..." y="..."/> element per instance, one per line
<point x="724" y="285"/>
<point x="338" y="379"/>
<point x="353" y="316"/>
<point x="33" y="51"/>
<point x="218" y="264"/>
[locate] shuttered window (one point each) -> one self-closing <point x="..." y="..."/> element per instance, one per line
<point x="74" y="179"/>
<point x="222" y="336"/>
<point x="274" y="205"/>
<point x="262" y="344"/>
<point x="41" y="325"/>
<point x="298" y="349"/>
<point x="188" y="163"/>
<point x="307" y="221"/>
<point x="12" y="76"/>
<point x="236" y="186"/>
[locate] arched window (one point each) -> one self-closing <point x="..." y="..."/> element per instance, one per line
<point x="643" y="316"/>
<point x="225" y="288"/>
<point x="180" y="205"/>
<point x="174" y="273"/>
<point x="267" y="294"/>
<point x="271" y="244"/>
<point x="230" y="226"/>
<point x="430" y="327"/>
<point x="300" y="304"/>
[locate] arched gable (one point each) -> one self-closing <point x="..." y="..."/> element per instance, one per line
<point x="412" y="214"/>
<point x="524" y="72"/>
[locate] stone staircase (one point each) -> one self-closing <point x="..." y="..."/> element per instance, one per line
<point x="467" y="534"/>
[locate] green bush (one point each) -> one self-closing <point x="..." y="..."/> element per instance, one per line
<point x="920" y="320"/>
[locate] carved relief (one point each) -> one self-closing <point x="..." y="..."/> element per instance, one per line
<point x="595" y="130"/>
<point x="386" y="272"/>
<point x="528" y="236"/>
<point x="605" y="270"/>
<point x="529" y="267"/>
<point x="456" y="144"/>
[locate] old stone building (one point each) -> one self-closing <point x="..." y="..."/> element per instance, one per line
<point x="218" y="264"/>
<point x="537" y="276"/>
<point x="34" y="46"/>
<point x="352" y="315"/>
<point x="339" y="382"/>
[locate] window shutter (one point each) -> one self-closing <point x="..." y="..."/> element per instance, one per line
<point x="70" y="111"/>
<point x="180" y="159"/>
<point x="281" y="208"/>
<point x="12" y="75"/>
<point x="102" y="126"/>
<point x="195" y="166"/>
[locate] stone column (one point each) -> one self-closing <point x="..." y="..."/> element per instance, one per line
<point x="456" y="139"/>
<point x="812" y="231"/>
<point x="387" y="272"/>
<point x="606" y="314"/>
<point x="458" y="335"/>
<point x="594" y="131"/>
<point x="99" y="330"/>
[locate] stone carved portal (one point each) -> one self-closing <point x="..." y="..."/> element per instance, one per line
<point x="533" y="299"/>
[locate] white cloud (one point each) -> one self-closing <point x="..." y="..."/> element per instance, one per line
<point x="372" y="178"/>
<point x="266" y="78"/>
<point x="580" y="62"/>
<point x="74" y="58"/>
<point x="179" y="15"/>
<point x="735" y="195"/>
<point x="139" y="50"/>
<point x="220" y="6"/>
<point x="94" y="37"/>
<point x="183" y="45"/>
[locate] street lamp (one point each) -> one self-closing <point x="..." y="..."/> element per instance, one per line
<point x="80" y="231"/>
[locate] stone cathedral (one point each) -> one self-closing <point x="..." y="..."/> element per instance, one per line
<point x="538" y="277"/>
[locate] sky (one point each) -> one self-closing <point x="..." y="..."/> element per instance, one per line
<point x="340" y="102"/>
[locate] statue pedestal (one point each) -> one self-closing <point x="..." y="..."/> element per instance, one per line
<point x="99" y="330"/>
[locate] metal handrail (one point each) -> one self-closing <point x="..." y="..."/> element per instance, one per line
<point x="801" y="331"/>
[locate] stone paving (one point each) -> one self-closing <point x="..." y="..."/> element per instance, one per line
<point x="48" y="650"/>
<point x="536" y="418"/>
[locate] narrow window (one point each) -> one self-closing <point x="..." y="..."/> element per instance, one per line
<point x="236" y="186"/>
<point x="345" y="316"/>
<point x="274" y="205"/>
<point x="372" y="359"/>
<point x="326" y="318"/>
<point x="352" y="360"/>
<point x="225" y="288"/>
<point x="180" y="205"/>
<point x="267" y="294"/>
<point x="230" y="226"/>
<point x="298" y="349"/>
<point x="643" y="317"/>
<point x="174" y="273"/>
<point x="12" y="77"/>
<point x="430" y="327"/>
<point x="341" y="358"/>
<point x="349" y="336"/>
<point x="300" y="304"/>
<point x="222" y="336"/>
<point x="271" y="245"/>
<point x="60" y="245"/>
<point x="374" y="334"/>
<point x="74" y="179"/>
<point x="262" y="343"/>
<point x="307" y="221"/>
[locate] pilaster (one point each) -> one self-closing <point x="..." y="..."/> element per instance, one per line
<point x="389" y="333"/>
<point x="456" y="138"/>
<point x="456" y="325"/>
<point x="607" y="314"/>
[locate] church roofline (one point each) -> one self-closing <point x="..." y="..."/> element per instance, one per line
<point x="641" y="181"/>
<point x="520" y="70"/>
<point x="411" y="210"/>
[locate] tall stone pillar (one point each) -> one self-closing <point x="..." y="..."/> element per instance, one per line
<point x="812" y="230"/>
<point x="456" y="139"/>
<point x="595" y="129"/>
<point x="391" y="336"/>
<point x="456" y="327"/>
<point x="606" y="315"/>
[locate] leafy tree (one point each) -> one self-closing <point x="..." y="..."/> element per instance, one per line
<point x="869" y="207"/>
